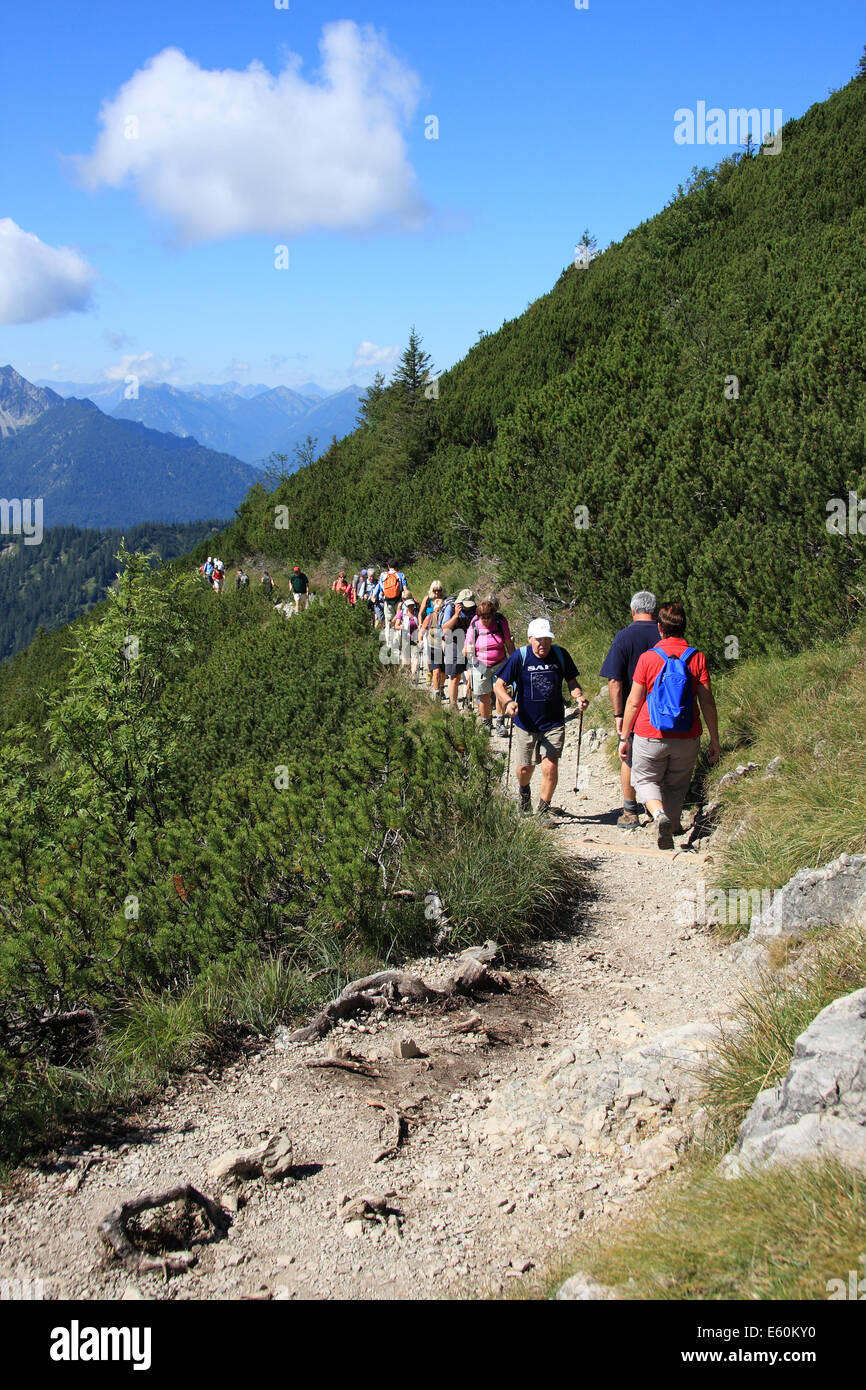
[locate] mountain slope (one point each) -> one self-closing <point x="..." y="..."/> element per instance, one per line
<point x="94" y="471"/>
<point x="46" y="585"/>
<point x="21" y="402"/>
<point x="677" y="416"/>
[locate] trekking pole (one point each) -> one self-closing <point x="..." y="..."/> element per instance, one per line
<point x="508" y="763"/>
<point x="577" y="768"/>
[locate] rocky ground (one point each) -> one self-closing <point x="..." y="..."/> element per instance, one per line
<point x="527" y="1116"/>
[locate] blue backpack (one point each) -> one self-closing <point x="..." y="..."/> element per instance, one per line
<point x="671" y="702"/>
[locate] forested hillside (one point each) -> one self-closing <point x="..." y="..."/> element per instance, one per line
<point x="49" y="584"/>
<point x="678" y="414"/>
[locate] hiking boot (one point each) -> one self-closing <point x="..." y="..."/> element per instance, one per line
<point x="629" y="820"/>
<point x="665" y="839"/>
<point x="487" y="726"/>
<point x="543" y="808"/>
<point x="499" y="728"/>
<point x="525" y="796"/>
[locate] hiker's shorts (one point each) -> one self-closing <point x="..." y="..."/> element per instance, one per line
<point x="389" y="608"/>
<point x="532" y="748"/>
<point x="661" y="770"/>
<point x="483" y="678"/>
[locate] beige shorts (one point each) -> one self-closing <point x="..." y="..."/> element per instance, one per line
<point x="532" y="748"/>
<point x="483" y="678"/>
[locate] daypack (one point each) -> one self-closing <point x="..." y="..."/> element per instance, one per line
<point x="391" y="586"/>
<point x="556" y="652"/>
<point x="671" y="702"/>
<point x="445" y="613"/>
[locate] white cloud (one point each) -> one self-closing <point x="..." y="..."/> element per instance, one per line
<point x="38" y="281"/>
<point x="222" y="152"/>
<point x="368" y="355"/>
<point x="147" y="366"/>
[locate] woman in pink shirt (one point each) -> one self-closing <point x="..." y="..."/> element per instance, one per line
<point x="488" y="646"/>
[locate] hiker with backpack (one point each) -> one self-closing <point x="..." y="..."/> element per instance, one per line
<point x="300" y="588"/>
<point x="434" y="594"/>
<point x="537" y="708"/>
<point x="431" y="635"/>
<point x="457" y="616"/>
<point x="392" y="583"/>
<point x="242" y="579"/>
<point x="406" y="631"/>
<point x="662" y="714"/>
<point x="489" y="644"/>
<point x="628" y="645"/>
<point x="267" y="584"/>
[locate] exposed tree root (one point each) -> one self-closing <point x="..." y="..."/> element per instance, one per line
<point x="113" y="1228"/>
<point x="359" y="996"/>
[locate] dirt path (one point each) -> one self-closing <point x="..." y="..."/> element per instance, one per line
<point x="516" y="1138"/>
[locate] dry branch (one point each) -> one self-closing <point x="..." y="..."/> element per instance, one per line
<point x="397" y="1121"/>
<point x="113" y="1227"/>
<point x="343" y="1064"/>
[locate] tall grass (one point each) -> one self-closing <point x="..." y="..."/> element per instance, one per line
<point x="780" y="1234"/>
<point x="806" y="709"/>
<point x="500" y="875"/>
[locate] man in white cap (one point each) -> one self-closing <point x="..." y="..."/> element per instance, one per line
<point x="536" y="672"/>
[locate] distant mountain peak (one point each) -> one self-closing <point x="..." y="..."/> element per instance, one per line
<point x="21" y="402"/>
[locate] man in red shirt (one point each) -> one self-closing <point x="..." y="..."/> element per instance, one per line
<point x="663" y="760"/>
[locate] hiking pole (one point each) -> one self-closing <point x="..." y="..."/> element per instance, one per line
<point x="577" y="768"/>
<point x="510" y="736"/>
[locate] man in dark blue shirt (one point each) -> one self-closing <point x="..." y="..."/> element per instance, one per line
<point x="629" y="643"/>
<point x="536" y="672"/>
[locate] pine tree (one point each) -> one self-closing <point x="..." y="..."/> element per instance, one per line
<point x="413" y="373"/>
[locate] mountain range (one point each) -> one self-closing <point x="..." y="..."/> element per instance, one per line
<point x="92" y="470"/>
<point x="249" y="421"/>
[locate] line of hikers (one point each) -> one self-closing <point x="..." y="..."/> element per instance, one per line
<point x="658" y="686"/>
<point x="214" y="571"/>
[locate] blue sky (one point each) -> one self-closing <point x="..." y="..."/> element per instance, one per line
<point x="551" y="119"/>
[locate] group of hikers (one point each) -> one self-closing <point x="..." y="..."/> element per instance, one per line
<point x="658" y="686"/>
<point x="462" y="649"/>
<point x="214" y="572"/>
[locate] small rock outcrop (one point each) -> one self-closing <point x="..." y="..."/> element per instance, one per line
<point x="829" y="897"/>
<point x="819" y="1109"/>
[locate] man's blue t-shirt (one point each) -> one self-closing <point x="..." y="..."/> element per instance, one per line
<point x="628" y="645"/>
<point x="538" y="688"/>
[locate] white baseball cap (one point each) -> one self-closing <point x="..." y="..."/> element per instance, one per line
<point x="539" y="627"/>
